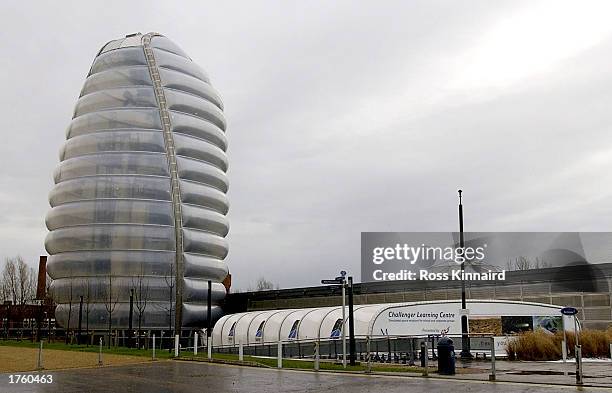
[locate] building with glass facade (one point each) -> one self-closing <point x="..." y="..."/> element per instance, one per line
<point x="139" y="204"/>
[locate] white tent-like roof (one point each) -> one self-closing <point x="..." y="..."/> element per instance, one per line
<point x="406" y="319"/>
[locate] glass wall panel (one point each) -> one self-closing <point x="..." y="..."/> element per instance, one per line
<point x="85" y="188"/>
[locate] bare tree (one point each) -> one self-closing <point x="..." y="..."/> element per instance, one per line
<point x="26" y="282"/>
<point x="141" y="297"/>
<point x="9" y="280"/>
<point x="264" y="285"/>
<point x="70" y="301"/>
<point x="110" y="305"/>
<point x="87" y="299"/>
<point x="18" y="282"/>
<point x="170" y="280"/>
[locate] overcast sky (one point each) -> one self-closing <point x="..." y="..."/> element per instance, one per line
<point x="343" y="117"/>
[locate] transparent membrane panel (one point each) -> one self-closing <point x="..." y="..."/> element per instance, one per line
<point x="112" y="164"/>
<point x="114" y="141"/>
<point x="170" y="61"/>
<point x="110" y="237"/>
<point x="116" y="263"/>
<point x="117" y="78"/>
<point x="113" y="187"/>
<point x="195" y="106"/>
<point x="199" y="149"/>
<point x="202" y="195"/>
<point x="202" y="172"/>
<point x="110" y="211"/>
<point x="116" y="119"/>
<point x="156" y="316"/>
<point x="199" y="128"/>
<point x="176" y="80"/>
<point x="197" y="217"/>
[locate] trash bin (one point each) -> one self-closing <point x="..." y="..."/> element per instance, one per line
<point x="446" y="356"/>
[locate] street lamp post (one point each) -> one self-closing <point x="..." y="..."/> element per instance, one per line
<point x="465" y="338"/>
<point x="352" y="348"/>
<point x="341" y="280"/>
<point x="343" y="323"/>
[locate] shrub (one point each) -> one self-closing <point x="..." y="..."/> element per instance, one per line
<point x="541" y="345"/>
<point x="538" y="345"/>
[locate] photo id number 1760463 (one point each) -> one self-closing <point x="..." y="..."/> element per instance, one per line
<point x="30" y="378"/>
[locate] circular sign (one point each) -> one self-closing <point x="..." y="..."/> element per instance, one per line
<point x="569" y="311"/>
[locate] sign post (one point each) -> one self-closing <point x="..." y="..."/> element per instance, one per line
<point x="340" y="280"/>
<point x="571" y="311"/>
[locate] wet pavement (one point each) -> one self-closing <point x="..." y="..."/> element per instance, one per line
<point x="180" y="376"/>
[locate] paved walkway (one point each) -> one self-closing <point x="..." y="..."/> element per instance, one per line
<point x="191" y="377"/>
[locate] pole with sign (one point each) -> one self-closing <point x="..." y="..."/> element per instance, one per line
<point x="340" y="280"/>
<point x="571" y="311"/>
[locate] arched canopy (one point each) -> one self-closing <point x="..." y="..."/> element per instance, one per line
<point x="405" y="319"/>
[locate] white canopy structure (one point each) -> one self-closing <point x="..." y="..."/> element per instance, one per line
<point x="389" y="319"/>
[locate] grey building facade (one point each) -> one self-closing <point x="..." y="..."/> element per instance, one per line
<point x="587" y="287"/>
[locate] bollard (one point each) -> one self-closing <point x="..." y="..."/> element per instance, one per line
<point x="240" y="351"/>
<point x="610" y="350"/>
<point x="368" y="355"/>
<point x="195" y="343"/>
<point x="209" y="347"/>
<point x="153" y="358"/>
<point x="279" y="355"/>
<point x="176" y="346"/>
<point x="492" y="376"/>
<point x="564" y="351"/>
<point x="578" y="365"/>
<point x="39" y="366"/>
<point x="411" y="362"/>
<point x="425" y="358"/>
<point x="100" y="353"/>
<point x="316" y="355"/>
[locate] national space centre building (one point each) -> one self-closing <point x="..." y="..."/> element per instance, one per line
<point x="139" y="203"/>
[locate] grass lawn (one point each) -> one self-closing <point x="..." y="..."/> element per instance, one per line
<point x="87" y="356"/>
<point x="163" y="354"/>
<point x="309" y="365"/>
